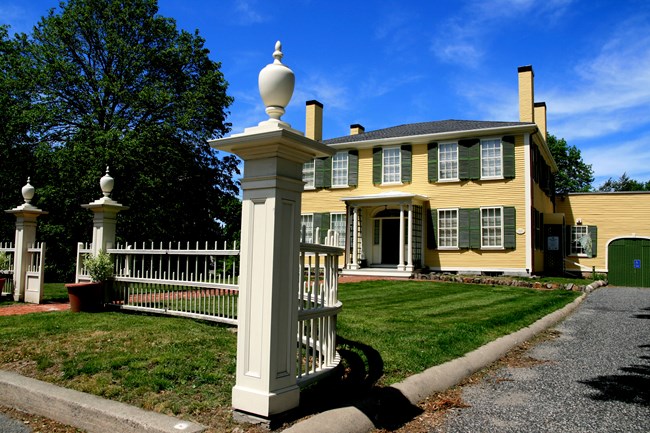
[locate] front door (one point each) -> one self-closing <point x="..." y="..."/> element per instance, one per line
<point x="389" y="241"/>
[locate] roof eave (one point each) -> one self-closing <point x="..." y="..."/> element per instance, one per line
<point x="438" y="136"/>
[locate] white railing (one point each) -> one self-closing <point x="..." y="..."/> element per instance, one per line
<point x="189" y="280"/>
<point x="318" y="307"/>
<point x="8" y="248"/>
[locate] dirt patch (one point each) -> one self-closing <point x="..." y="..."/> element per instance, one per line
<point x="37" y="423"/>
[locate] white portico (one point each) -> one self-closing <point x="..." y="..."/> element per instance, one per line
<point x="385" y="233"/>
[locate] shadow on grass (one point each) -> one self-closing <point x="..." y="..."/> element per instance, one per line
<point x="354" y="383"/>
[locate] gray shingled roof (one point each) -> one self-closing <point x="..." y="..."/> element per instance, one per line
<point x="422" y="128"/>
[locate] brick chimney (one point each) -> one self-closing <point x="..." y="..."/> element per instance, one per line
<point x="540" y="117"/>
<point x="526" y="93"/>
<point x="357" y="129"/>
<point x="314" y="120"/>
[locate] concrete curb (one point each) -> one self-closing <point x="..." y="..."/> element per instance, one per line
<point x="85" y="411"/>
<point x="435" y="379"/>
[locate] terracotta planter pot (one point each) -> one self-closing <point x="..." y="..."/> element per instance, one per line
<point x="87" y="297"/>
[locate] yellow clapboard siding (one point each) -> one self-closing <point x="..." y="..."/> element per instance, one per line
<point x="461" y="194"/>
<point x="615" y="215"/>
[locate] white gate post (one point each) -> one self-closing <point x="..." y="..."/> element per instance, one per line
<point x="272" y="185"/>
<point x="26" y="215"/>
<point x="105" y="211"/>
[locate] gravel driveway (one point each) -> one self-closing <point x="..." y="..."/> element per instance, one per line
<point x="595" y="377"/>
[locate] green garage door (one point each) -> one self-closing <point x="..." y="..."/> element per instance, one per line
<point x="629" y="262"/>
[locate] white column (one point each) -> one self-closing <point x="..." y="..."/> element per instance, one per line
<point x="273" y="154"/>
<point x="400" y="265"/>
<point x="266" y="381"/>
<point x="354" y="260"/>
<point x="409" y="247"/>
<point x="105" y="211"/>
<point x="26" y="215"/>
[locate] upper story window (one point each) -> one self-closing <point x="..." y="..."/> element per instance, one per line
<point x="491" y="227"/>
<point x="391" y="172"/>
<point x="448" y="228"/>
<point x="308" y="174"/>
<point x="340" y="169"/>
<point x="491" y="159"/>
<point x="448" y="161"/>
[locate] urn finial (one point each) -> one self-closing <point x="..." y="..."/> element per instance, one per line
<point x="276" y="83"/>
<point x="106" y="183"/>
<point x="28" y="191"/>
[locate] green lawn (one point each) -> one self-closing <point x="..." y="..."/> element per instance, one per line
<point x="186" y="367"/>
<point x="417" y="324"/>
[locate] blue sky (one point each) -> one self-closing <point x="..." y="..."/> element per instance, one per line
<point x="386" y="63"/>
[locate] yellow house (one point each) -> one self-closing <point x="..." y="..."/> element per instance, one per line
<point x="456" y="196"/>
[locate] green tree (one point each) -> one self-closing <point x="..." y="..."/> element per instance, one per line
<point x="118" y="85"/>
<point x="16" y="119"/>
<point x="624" y="183"/>
<point x="573" y="175"/>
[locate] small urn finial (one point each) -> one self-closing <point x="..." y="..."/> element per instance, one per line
<point x="28" y="191"/>
<point x="276" y="83"/>
<point x="106" y="183"/>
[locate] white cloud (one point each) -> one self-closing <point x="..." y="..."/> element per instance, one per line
<point x="613" y="91"/>
<point x="247" y="14"/>
<point x="463" y="38"/>
<point x="631" y="157"/>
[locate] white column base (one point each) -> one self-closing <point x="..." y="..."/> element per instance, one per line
<point x="264" y="403"/>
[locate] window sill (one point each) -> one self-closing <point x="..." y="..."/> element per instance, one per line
<point x="309" y="188"/>
<point x="448" y="180"/>
<point x="492" y="248"/>
<point x="448" y="249"/>
<point x="390" y="183"/>
<point x="493" y="178"/>
<point x="340" y="186"/>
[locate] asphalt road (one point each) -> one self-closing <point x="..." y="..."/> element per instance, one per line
<point x="595" y="377"/>
<point x="8" y="425"/>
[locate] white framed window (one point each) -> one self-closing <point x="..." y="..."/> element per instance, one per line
<point x="340" y="169"/>
<point x="447" y="228"/>
<point x="391" y="165"/>
<point x="580" y="241"/>
<point x="309" y="174"/>
<point x="448" y="161"/>
<point x="307" y="227"/>
<point x="491" y="159"/>
<point x="337" y="223"/>
<point x="492" y="227"/>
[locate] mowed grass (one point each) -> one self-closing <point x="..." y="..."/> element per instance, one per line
<point x="417" y="324"/>
<point x="186" y="368"/>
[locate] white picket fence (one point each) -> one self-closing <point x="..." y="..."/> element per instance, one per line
<point x="8" y="288"/>
<point x="201" y="281"/>
<point x="189" y="280"/>
<point x="318" y="307"/>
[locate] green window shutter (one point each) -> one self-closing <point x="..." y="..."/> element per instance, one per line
<point x="475" y="228"/>
<point x="327" y="172"/>
<point x="469" y="159"/>
<point x="406" y="163"/>
<point x="353" y="168"/>
<point x="324" y="226"/>
<point x="376" y="165"/>
<point x="432" y="151"/>
<point x="463" y="228"/>
<point x="432" y="229"/>
<point x="567" y="239"/>
<point x="593" y="233"/>
<point x="509" y="229"/>
<point x="318" y="173"/>
<point x="508" y="143"/>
